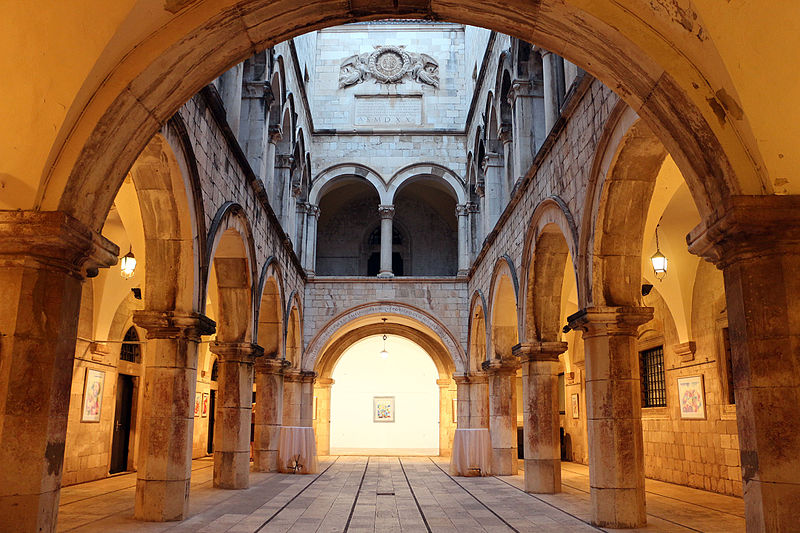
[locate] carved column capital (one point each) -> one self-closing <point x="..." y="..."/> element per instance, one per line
<point x="257" y="89"/>
<point x="274" y="134"/>
<point x="293" y="376"/>
<point x="505" y="134"/>
<point x="539" y="351"/>
<point x="174" y="324"/>
<point x="601" y="320"/>
<point x="500" y="366"/>
<point x="324" y="383"/>
<point x="312" y="210"/>
<point x="308" y="376"/>
<point x="520" y="89"/>
<point x="54" y="240"/>
<point x="746" y="227"/>
<point x="240" y="352"/>
<point x="462" y="210"/>
<point x="386" y="211"/>
<point x="270" y="364"/>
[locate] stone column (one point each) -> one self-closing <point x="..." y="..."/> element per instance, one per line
<point x="478" y="400"/>
<point x="614" y="413"/>
<point x="462" y="213"/>
<point x="386" y="213"/>
<point x="475" y="228"/>
<point x="542" y="440"/>
<point x="44" y="256"/>
<point x="503" y="415"/>
<point x="292" y="397"/>
<point x="446" y="425"/>
<point x="307" y="398"/>
<point x="310" y="257"/>
<point x="528" y="105"/>
<point x="233" y="413"/>
<point x="300" y="233"/>
<point x="164" y="459"/>
<point x="551" y="110"/>
<point x="755" y="240"/>
<point x="480" y="190"/>
<point x="281" y="185"/>
<point x="463" y="397"/>
<point x="273" y="138"/>
<point x="230" y="90"/>
<point x="493" y="172"/>
<point x="269" y="412"/>
<point x="322" y="422"/>
<point x="256" y="99"/>
<point x="509" y="177"/>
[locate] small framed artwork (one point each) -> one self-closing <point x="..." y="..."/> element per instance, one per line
<point x="455" y="410"/>
<point x="575" y="408"/>
<point x="383" y="409"/>
<point x="691" y="397"/>
<point x="92" y="395"/>
<point x="198" y="402"/>
<point x="205" y="404"/>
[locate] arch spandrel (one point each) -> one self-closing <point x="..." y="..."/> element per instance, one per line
<point x="372" y="313"/>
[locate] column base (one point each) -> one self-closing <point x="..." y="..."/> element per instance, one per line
<point x="542" y="476"/>
<point x="232" y="470"/>
<point x="161" y="501"/>
<point x="385" y="274"/>
<point x="30" y="512"/>
<point x="618" y="508"/>
<point x="265" y="460"/>
<point x="504" y="461"/>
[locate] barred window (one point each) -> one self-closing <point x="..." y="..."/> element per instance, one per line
<point x="654" y="390"/>
<point x="130" y="350"/>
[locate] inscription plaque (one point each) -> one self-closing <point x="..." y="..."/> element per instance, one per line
<point x="388" y="111"/>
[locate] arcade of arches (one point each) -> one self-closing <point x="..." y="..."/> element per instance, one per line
<point x="301" y="184"/>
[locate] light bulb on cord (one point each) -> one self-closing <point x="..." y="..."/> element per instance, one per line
<point x="383" y="353"/>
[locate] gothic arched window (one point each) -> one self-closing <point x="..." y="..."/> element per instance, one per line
<point x="130" y="350"/>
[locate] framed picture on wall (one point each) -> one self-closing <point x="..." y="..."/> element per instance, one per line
<point x="691" y="397"/>
<point x="575" y="409"/>
<point x="205" y="404"/>
<point x="383" y="409"/>
<point x="92" y="395"/>
<point x="198" y="402"/>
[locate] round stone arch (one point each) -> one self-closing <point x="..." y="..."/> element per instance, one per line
<point x="343" y="172"/>
<point x="372" y="313"/>
<point x="270" y="303"/>
<point x="504" y="308"/>
<point x="231" y="252"/>
<point x="409" y="174"/>
<point x="478" y="340"/>
<point x="551" y="236"/>
<point x="626" y="164"/>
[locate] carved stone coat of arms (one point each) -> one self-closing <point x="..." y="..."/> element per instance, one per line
<point x="389" y="64"/>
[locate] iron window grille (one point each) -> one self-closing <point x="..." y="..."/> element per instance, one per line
<point x="654" y="388"/>
<point x="130" y="346"/>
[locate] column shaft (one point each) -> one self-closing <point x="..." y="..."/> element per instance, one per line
<point x="462" y="213"/>
<point x="614" y="413"/>
<point x="307" y="398"/>
<point x="756" y="242"/>
<point x="233" y="413"/>
<point x="322" y="422"/>
<point x="493" y="171"/>
<point x="502" y="415"/>
<point x="386" y="213"/>
<point x="463" y="400"/>
<point x="478" y="400"/>
<point x="310" y="257"/>
<point x="551" y="110"/>
<point x="43" y="258"/>
<point x="165" y="444"/>
<point x="269" y="413"/>
<point x="292" y="398"/>
<point x="446" y="425"/>
<point x="542" y="442"/>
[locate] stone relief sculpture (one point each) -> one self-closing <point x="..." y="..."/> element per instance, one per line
<point x="389" y="64"/>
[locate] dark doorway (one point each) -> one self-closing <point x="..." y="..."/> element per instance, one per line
<point x="122" y="424"/>
<point x="210" y="447"/>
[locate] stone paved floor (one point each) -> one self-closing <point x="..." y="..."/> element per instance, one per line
<point x="387" y="494"/>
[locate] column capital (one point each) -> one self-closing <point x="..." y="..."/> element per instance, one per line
<point x="539" y="351"/>
<point x="520" y="89"/>
<point x="492" y="159"/>
<point x="480" y="189"/>
<point x="747" y="227"/>
<point x="174" y="324"/>
<point x="500" y="366"/>
<point x="505" y="134"/>
<point x="270" y="364"/>
<point x="386" y="211"/>
<point x="443" y="383"/>
<point x="602" y="320"/>
<point x="461" y="379"/>
<point x="54" y="240"/>
<point x="274" y="135"/>
<point x="284" y="161"/>
<point x="462" y="210"/>
<point x="324" y="383"/>
<point x="293" y="376"/>
<point x="256" y="90"/>
<point x="313" y="210"/>
<point x="308" y="376"/>
<point x="241" y="352"/>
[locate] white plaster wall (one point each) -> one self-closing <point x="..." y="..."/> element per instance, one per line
<point x="409" y="375"/>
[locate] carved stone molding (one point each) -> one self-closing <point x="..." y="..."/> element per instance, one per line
<point x="389" y="64"/>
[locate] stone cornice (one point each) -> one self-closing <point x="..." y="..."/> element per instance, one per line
<point x="601" y="320"/>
